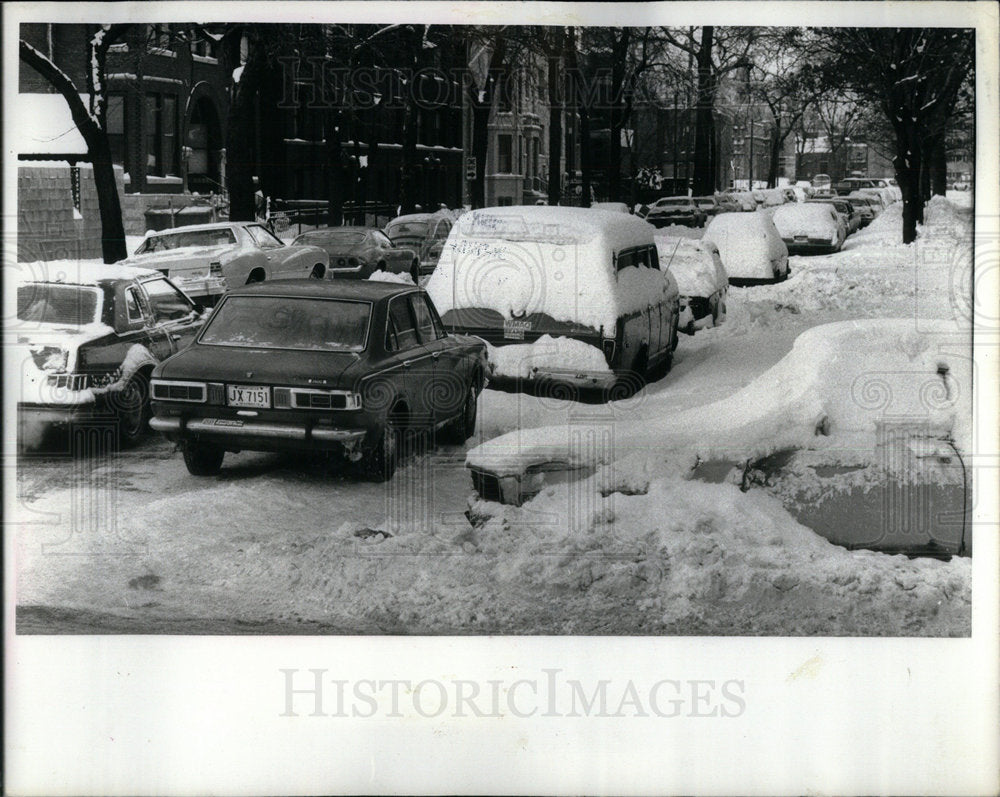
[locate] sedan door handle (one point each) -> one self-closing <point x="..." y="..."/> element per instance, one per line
<point x="436" y="354"/>
<point x="408" y="363"/>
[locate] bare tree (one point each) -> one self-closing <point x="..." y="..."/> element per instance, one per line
<point x="915" y="75"/>
<point x="90" y="120"/>
<point x="715" y="52"/>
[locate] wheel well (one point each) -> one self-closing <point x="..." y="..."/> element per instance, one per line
<point x="319" y="269"/>
<point x="400" y="412"/>
<point x="256" y="275"/>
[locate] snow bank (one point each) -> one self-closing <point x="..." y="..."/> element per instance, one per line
<point x="552" y="260"/>
<point x="546" y="354"/>
<point x="839" y="379"/>
<point x="389" y="276"/>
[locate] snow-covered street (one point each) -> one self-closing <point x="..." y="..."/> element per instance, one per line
<point x="282" y="544"/>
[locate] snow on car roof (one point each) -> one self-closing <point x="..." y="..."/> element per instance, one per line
<point x="214" y="225"/>
<point x="80" y="272"/>
<point x="812" y="211"/>
<point x="552" y="260"/>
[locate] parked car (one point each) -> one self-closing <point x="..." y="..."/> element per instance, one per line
<point x="701" y="280"/>
<point x="614" y="207"/>
<point x="675" y="210"/>
<point x="425" y="233"/>
<point x="810" y="229"/>
<point x="728" y="204"/>
<point x="205" y="260"/>
<point x="750" y="247"/>
<point x="774" y="197"/>
<point x="865" y="208"/>
<point x="709" y="205"/>
<point x="358" y="252"/>
<point x="566" y="296"/>
<point x="745" y="199"/>
<point x="87" y="342"/>
<point x="821" y="181"/>
<point x="845" y="209"/>
<point x="352" y="367"/>
<point x="824" y="193"/>
<point x="876" y="196"/>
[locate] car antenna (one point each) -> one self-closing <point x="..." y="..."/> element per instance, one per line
<point x="676" y="247"/>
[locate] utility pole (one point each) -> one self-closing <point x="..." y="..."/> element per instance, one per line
<point x="676" y="143"/>
<point x="751" y="150"/>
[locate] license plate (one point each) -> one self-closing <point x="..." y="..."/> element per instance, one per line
<point x="249" y="396"/>
<point x="513" y="329"/>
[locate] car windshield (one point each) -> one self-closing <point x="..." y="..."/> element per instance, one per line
<point x="176" y="240"/>
<point x="418" y="228"/>
<point x="343" y="237"/>
<point x="73" y="305"/>
<point x="289" y="322"/>
<point x="705" y="203"/>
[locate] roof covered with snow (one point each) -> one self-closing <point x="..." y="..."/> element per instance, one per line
<point x="45" y="126"/>
<point x="80" y="272"/>
<point x="538" y="259"/>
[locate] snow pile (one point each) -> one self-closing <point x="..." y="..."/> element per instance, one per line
<point x="78" y="272"/>
<point x="692" y="264"/>
<point x="551" y="260"/>
<point x="838" y="381"/>
<point x="661" y="556"/>
<point x="545" y="355"/>
<point x="389" y="276"/>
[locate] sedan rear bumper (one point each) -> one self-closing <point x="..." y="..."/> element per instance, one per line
<point x="238" y="430"/>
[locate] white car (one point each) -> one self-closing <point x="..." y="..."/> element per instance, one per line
<point x="749" y="245"/>
<point x="808" y="228"/>
<point x="746" y="200"/>
<point x="701" y="280"/>
<point x="205" y="260"/>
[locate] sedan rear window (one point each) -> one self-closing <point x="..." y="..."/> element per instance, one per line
<point x="348" y="237"/>
<point x="417" y="228"/>
<point x="176" y="240"/>
<point x="289" y="322"/>
<point x="47" y="303"/>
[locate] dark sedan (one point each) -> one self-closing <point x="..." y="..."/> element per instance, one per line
<point x="675" y="210"/>
<point x="359" y="252"/>
<point x="349" y="367"/>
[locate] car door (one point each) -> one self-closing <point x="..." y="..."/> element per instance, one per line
<point x="173" y="313"/>
<point x="396" y="260"/>
<point x="411" y="365"/>
<point x="277" y="263"/>
<point x="450" y="368"/>
<point x="137" y="324"/>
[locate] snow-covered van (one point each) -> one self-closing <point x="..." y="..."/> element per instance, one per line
<point x="565" y="295"/>
<point x="750" y="246"/>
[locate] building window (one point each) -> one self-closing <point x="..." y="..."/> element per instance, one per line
<point x="505" y="152"/>
<point x="158" y="37"/>
<point x="115" y="124"/>
<point x="161" y="134"/>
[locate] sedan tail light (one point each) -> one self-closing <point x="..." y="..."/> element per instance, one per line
<point x="608" y="345"/>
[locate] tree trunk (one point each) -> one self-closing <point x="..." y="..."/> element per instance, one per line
<point x="481" y="103"/>
<point x="555" y="118"/>
<point x="907" y="165"/>
<point x="774" y="157"/>
<point x="239" y="155"/>
<point x="113" y="246"/>
<point x="579" y="94"/>
<point x="334" y="169"/>
<point x="704" y="133"/>
<point x="939" y="168"/>
<point x="408" y="188"/>
<point x="619" y="54"/>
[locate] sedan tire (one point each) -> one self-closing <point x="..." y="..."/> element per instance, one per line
<point x="464" y="426"/>
<point x="133" y="410"/>
<point x="203" y="460"/>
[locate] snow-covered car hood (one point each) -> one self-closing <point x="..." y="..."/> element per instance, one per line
<point x="691" y="264"/>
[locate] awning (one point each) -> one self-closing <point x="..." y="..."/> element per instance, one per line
<point x="44" y="129"/>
